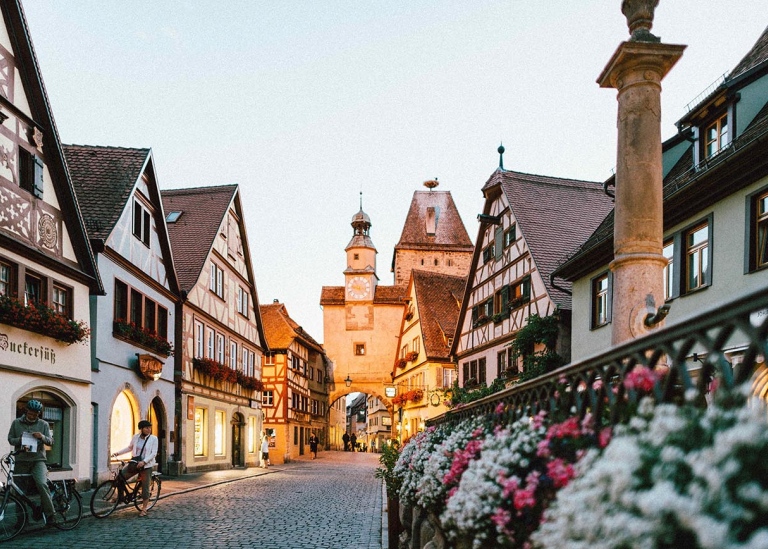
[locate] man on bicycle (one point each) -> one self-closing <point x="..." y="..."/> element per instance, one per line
<point x="32" y="434"/>
<point x="143" y="449"/>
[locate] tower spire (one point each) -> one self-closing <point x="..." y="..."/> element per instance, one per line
<point x="501" y="156"/>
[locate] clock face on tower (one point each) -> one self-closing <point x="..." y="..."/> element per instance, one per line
<point x="358" y="288"/>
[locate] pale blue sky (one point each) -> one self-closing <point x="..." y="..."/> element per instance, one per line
<point x="304" y="104"/>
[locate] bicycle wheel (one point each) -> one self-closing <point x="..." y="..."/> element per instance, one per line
<point x="154" y="493"/>
<point x="69" y="510"/>
<point x="13" y="516"/>
<point x="104" y="499"/>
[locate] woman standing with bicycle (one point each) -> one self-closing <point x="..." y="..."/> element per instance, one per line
<point x="143" y="449"/>
<point x="31" y="433"/>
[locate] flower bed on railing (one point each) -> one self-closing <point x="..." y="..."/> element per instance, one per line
<point x="414" y="395"/>
<point x="220" y="372"/>
<point x="41" y="319"/>
<point x="143" y="336"/>
<point x="671" y="476"/>
<point x="532" y="466"/>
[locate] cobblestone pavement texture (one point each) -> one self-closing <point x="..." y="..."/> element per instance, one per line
<point x="331" y="502"/>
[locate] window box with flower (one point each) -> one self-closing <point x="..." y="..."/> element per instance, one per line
<point x="129" y="331"/>
<point x="401" y="363"/>
<point x="42" y="319"/>
<point x="410" y="357"/>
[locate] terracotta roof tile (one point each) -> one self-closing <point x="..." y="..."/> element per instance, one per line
<point x="438" y="298"/>
<point x="334" y="295"/>
<point x="281" y="330"/>
<point x="450" y="232"/>
<point x="554" y="215"/>
<point x="203" y="210"/>
<point x="390" y="294"/>
<point x="103" y="178"/>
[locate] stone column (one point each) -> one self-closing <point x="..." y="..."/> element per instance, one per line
<point x="636" y="70"/>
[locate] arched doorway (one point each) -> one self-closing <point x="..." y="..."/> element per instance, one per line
<point x="57" y="413"/>
<point x="159" y="428"/>
<point x="238" y="453"/>
<point x="122" y="422"/>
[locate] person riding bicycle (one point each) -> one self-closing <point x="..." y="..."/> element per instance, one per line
<point x="32" y="434"/>
<point x="143" y="449"/>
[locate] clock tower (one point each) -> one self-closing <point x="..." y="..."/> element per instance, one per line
<point x="360" y="274"/>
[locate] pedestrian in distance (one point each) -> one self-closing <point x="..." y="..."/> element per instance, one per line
<point x="345" y="438"/>
<point x="264" y="450"/>
<point x="143" y="448"/>
<point x="313" y="445"/>
<point x="31" y="433"/>
<point x="353" y="441"/>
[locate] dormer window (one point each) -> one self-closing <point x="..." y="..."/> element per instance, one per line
<point x="716" y="136"/>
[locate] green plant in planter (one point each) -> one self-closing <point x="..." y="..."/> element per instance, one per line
<point x="389" y="454"/>
<point x="539" y="330"/>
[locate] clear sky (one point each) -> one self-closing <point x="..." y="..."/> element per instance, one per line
<point x="305" y="104"/>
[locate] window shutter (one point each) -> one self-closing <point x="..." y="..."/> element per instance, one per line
<point x="440" y="382"/>
<point x="527" y="288"/>
<point x="146" y="228"/>
<point x="610" y="297"/>
<point x="498" y="243"/>
<point x="474" y="314"/>
<point x="38" y="178"/>
<point x="505" y="298"/>
<point x="466" y="373"/>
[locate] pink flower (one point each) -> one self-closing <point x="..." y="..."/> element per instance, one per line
<point x="641" y="378"/>
<point x="524" y="498"/>
<point x="604" y="437"/>
<point x="560" y="472"/>
<point x="500" y="408"/>
<point x="501" y="518"/>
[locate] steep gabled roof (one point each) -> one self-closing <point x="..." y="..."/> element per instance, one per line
<point x="104" y="178"/>
<point x="757" y="55"/>
<point x="554" y="215"/>
<point x="450" y="232"/>
<point x="281" y="330"/>
<point x="438" y="299"/>
<point x="39" y="105"/>
<point x="192" y="235"/>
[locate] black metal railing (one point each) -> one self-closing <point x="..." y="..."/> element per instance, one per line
<point x="690" y="355"/>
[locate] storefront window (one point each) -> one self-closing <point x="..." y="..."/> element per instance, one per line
<point x="218" y="442"/>
<point x="199" y="431"/>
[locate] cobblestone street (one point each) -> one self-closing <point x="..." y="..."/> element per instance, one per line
<point x="332" y="502"/>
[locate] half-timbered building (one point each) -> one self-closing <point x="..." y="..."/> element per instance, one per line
<point x="295" y="399"/>
<point x="527" y="224"/>
<point x="424" y="368"/>
<point x="47" y="269"/>
<point x="219" y="336"/>
<point x="132" y="325"/>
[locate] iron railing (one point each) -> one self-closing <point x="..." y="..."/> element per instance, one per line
<point x="691" y="354"/>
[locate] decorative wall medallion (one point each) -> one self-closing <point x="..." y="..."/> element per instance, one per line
<point x="37" y="139"/>
<point x="150" y="367"/>
<point x="47" y="229"/>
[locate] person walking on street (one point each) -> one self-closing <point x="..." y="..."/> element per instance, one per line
<point x="313" y="445"/>
<point x="345" y="438"/>
<point x="143" y="449"/>
<point x="264" y="450"/>
<point x="32" y="433"/>
<point x="353" y="441"/>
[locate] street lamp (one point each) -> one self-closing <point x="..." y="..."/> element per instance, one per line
<point x="348" y="381"/>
